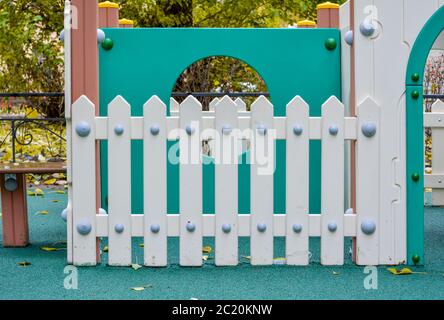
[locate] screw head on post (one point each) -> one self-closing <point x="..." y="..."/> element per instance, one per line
<point x="107" y="44"/>
<point x="415" y="94"/>
<point x="330" y="44"/>
<point x="416" y="258"/>
<point x="415" y="77"/>
<point x="416" y="177"/>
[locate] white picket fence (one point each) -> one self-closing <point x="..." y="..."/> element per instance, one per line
<point x="435" y="179"/>
<point x="226" y="225"/>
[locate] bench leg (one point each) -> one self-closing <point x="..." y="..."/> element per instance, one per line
<point x="14" y="212"/>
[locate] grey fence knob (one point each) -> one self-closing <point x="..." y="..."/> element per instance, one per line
<point x="298" y="130"/>
<point x="261" y="227"/>
<point x="227" y="129"/>
<point x="83" y="129"/>
<point x="84" y="227"/>
<point x="119" y="129"/>
<point x="368" y="227"/>
<point x="11" y="183"/>
<point x="64" y="214"/>
<point x="191" y="227"/>
<point x="62" y="35"/>
<point x="226" y="228"/>
<point x="297" y="228"/>
<point x="348" y="38"/>
<point x="100" y="35"/>
<point x="155" y="129"/>
<point x="190" y="130"/>
<point x="333" y="130"/>
<point x="367" y="29"/>
<point x="155" y="228"/>
<point x="368" y="129"/>
<point x="119" y="228"/>
<point x="262" y="129"/>
<point x="332" y="226"/>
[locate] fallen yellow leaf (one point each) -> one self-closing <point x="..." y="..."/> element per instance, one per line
<point x="43" y="212"/>
<point x="207" y="249"/>
<point x="204" y="258"/>
<point x="136" y="266"/>
<point x="24" y="263"/>
<point x="50" y="249"/>
<point x="403" y="271"/>
<point x="50" y="182"/>
<point x="105" y="249"/>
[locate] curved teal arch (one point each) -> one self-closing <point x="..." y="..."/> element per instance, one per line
<point x="146" y="62"/>
<point x="415" y="135"/>
<point x="222" y="56"/>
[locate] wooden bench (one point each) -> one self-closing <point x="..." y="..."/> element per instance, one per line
<point x="13" y="197"/>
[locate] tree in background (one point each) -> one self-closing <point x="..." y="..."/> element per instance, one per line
<point x="31" y="56"/>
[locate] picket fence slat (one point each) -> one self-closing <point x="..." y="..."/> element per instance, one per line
<point x="226" y="184"/>
<point x="297" y="197"/>
<point x="367" y="184"/>
<point x="262" y="146"/>
<point x="84" y="182"/>
<point x="332" y="189"/>
<point x="190" y="181"/>
<point x="119" y="182"/>
<point x="155" y="183"/>
<point x="232" y="124"/>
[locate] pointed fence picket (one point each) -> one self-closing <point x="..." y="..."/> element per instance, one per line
<point x="190" y="181"/>
<point x="226" y="184"/>
<point x="155" y="183"/>
<point x="297" y="198"/>
<point x="119" y="182"/>
<point x="297" y="225"/>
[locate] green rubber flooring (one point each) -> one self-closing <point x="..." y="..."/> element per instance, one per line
<point x="44" y="278"/>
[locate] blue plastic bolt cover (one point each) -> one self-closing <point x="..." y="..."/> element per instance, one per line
<point x="190" y="130"/>
<point x="119" y="129"/>
<point x="368" y="227"/>
<point x="297" y="228"/>
<point x="227" y="129"/>
<point x="155" y="129"/>
<point x="297" y="130"/>
<point x="62" y="35"/>
<point x="348" y="38"/>
<point x="333" y="130"/>
<point x="332" y="226"/>
<point x="119" y="228"/>
<point x="100" y="35"/>
<point x="261" y="227"/>
<point x="83" y="129"/>
<point x="368" y="129"/>
<point x="155" y="228"/>
<point x="367" y="29"/>
<point x="84" y="227"/>
<point x="262" y="129"/>
<point x="226" y="228"/>
<point x="64" y="214"/>
<point x="191" y="227"/>
<point x="11" y="184"/>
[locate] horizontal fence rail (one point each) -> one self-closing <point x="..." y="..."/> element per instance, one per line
<point x="227" y="123"/>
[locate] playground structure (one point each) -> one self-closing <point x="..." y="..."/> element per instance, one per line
<point x="364" y="153"/>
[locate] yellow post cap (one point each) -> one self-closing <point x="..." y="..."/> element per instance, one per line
<point x="108" y="4"/>
<point x="306" y="23"/>
<point x="126" y="21"/>
<point x="328" y="5"/>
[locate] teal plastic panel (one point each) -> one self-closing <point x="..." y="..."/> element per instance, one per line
<point x="146" y="62"/>
<point x="415" y="134"/>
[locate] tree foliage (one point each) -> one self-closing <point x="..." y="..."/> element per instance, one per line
<point x="31" y="56"/>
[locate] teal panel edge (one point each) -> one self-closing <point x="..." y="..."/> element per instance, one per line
<point x="415" y="166"/>
<point x="291" y="62"/>
<point x="422" y="46"/>
<point x="415" y="135"/>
